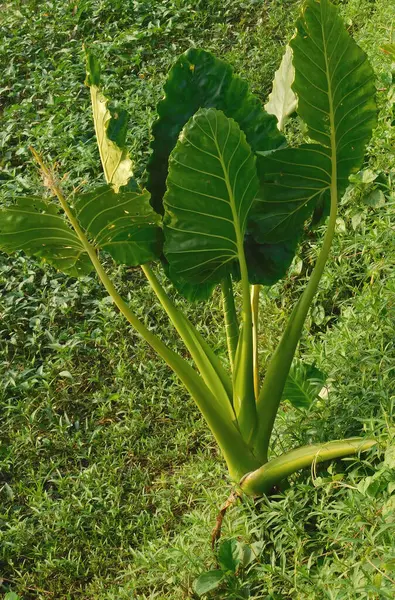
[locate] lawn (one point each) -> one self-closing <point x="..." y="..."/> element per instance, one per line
<point x="110" y="482"/>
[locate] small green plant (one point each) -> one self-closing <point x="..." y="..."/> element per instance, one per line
<point x="226" y="202"/>
<point x="11" y="596"/>
<point x="233" y="557"/>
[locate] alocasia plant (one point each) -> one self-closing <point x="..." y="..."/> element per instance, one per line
<point x="226" y="201"/>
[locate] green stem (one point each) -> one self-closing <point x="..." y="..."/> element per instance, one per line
<point x="243" y="381"/>
<point x="214" y="374"/>
<point x="208" y="363"/>
<point x="255" y="327"/>
<point x="280" y="363"/>
<point x="234" y="449"/>
<point x="230" y="316"/>
<point x="278" y="369"/>
<point x="263" y="479"/>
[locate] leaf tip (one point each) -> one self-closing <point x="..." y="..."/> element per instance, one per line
<point x="92" y="70"/>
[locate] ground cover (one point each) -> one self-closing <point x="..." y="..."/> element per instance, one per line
<point x="110" y="482"/>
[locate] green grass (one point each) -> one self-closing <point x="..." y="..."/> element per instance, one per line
<point x="110" y="481"/>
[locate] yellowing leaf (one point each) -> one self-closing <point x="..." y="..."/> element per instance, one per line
<point x="110" y="128"/>
<point x="282" y="101"/>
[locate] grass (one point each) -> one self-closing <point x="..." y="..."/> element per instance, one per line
<point x="110" y="482"/>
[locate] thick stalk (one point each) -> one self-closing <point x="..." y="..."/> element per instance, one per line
<point x="263" y="479"/>
<point x="280" y="363"/>
<point x="230" y="317"/>
<point x="243" y="382"/>
<point x="255" y="330"/>
<point x="208" y="364"/>
<point x="272" y="389"/>
<point x="235" y="451"/>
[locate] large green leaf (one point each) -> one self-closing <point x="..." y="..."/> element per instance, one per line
<point x="268" y="263"/>
<point x="335" y="86"/>
<point x="334" y="83"/>
<point x="37" y="228"/>
<point x="303" y="384"/>
<point x="190" y="291"/>
<point x="123" y="224"/>
<point x="211" y="185"/>
<point x="292" y="181"/>
<point x="110" y="127"/>
<point x="200" y="80"/>
<point x="282" y="100"/>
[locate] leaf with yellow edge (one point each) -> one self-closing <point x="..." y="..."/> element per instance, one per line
<point x="110" y="128"/>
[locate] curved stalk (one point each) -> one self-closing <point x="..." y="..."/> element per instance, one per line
<point x="207" y="362"/>
<point x="280" y="363"/>
<point x="230" y="316"/>
<point x="278" y="369"/>
<point x="263" y="479"/>
<point x="255" y="328"/>
<point x="205" y="359"/>
<point x="235" y="451"/>
<point x="243" y="382"/>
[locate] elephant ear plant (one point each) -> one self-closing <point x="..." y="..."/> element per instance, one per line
<point x="226" y="203"/>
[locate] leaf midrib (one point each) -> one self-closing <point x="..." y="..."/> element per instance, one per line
<point x="229" y="187"/>
<point x="298" y="386"/>
<point x="331" y="115"/>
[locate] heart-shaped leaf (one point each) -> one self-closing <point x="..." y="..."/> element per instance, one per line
<point x="200" y="80"/>
<point x="37" y="228"/>
<point x="123" y="224"/>
<point x="211" y="186"/>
